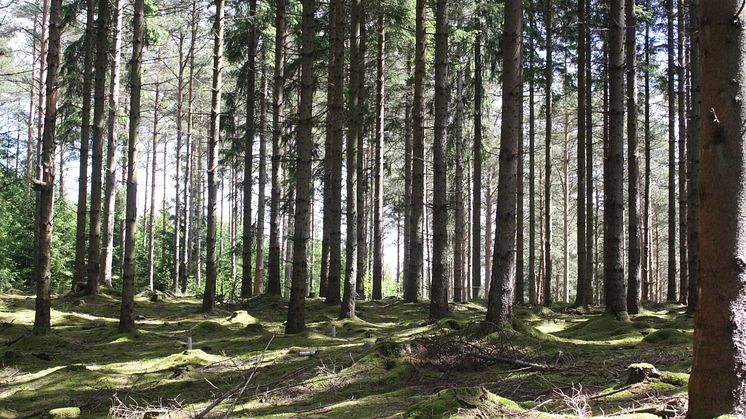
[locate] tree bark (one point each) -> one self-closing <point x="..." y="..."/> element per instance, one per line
<point x="179" y="142"/>
<point x="278" y="98"/>
<point x="153" y="169"/>
<point x="681" y="106"/>
<point x="303" y="171"/>
<point x="42" y="317"/>
<point x="110" y="182"/>
<point x="548" y="154"/>
<point x="361" y="192"/>
<point x="247" y="289"/>
<point x="378" y="234"/>
<point x="476" y="223"/>
<point x="85" y="126"/>
<point x="261" y="201"/>
<point x="584" y="290"/>
<point x="614" y="179"/>
<point x="97" y="145"/>
<point x="633" y="161"/>
<point x="500" y="305"/>
<point x="716" y="383"/>
<point x="671" y="290"/>
<point x="533" y="297"/>
<point x="460" y="292"/>
<point x="647" y="262"/>
<point x="413" y="280"/>
<point x="693" y="157"/>
<point x="208" y="299"/>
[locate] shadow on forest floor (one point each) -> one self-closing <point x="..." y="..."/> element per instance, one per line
<point x="388" y="362"/>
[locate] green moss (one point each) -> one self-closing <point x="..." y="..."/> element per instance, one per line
<point x="242" y="317"/>
<point x="668" y="336"/>
<point x="678" y="379"/>
<point x="604" y="327"/>
<point x="208" y="327"/>
<point x="64" y="412"/>
<point x="455" y="399"/>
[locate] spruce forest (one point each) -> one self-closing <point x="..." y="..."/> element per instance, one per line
<point x="372" y="208"/>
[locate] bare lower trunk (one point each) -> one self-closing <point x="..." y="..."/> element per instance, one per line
<point x="476" y="223"/>
<point x="261" y="201"/>
<point x="154" y="167"/>
<point x="247" y="289"/>
<point x="378" y="165"/>
<point x="693" y="156"/>
<point x="671" y="290"/>
<point x="633" y="161"/>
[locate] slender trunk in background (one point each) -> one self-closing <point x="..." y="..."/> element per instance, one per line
<point x="278" y="98"/>
<point x="459" y="275"/>
<point x="378" y="163"/>
<point x="179" y="142"/>
<point x="681" y="108"/>
<point x="716" y="383"/>
<point x="97" y="146"/>
<point x="614" y="179"/>
<point x="208" y="300"/>
<point x="347" y="309"/>
<point x="186" y="257"/>
<point x="199" y="208"/>
<point x="533" y="297"/>
<point x="45" y="185"/>
<point x="500" y="305"/>
<point x="548" y="154"/>
<point x="361" y="192"/>
<point x="566" y="211"/>
<point x="261" y="201"/>
<point x="407" y="169"/>
<point x="647" y="262"/>
<point x="671" y="290"/>
<point x="633" y="161"/>
<point x="693" y="156"/>
<point x="413" y="281"/>
<point x="153" y="169"/>
<point x="589" y="203"/>
<point x="304" y="173"/>
<point x="247" y="287"/>
<point x="488" y="215"/>
<point x="88" y="51"/>
<point x="584" y="290"/>
<point x="476" y="223"/>
<point x="85" y="126"/>
<point x="110" y="183"/>
<point x="439" y="285"/>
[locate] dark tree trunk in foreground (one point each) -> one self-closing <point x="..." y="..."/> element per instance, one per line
<point x="647" y="256"/>
<point x="633" y="161"/>
<point x="97" y="146"/>
<point x="247" y="288"/>
<point x="303" y="173"/>
<point x="500" y="305"/>
<point x="548" y="157"/>
<point x="716" y="383"/>
<point x="278" y="98"/>
<point x="476" y="208"/>
<point x="45" y="185"/>
<point x="126" y="317"/>
<point x="361" y="192"/>
<point x="208" y="299"/>
<point x="110" y="183"/>
<point x="439" y="285"/>
<point x="671" y="290"/>
<point x="414" y="270"/>
<point x="85" y="129"/>
<point x="347" y="309"/>
<point x="378" y="164"/>
<point x="614" y="173"/>
<point x="693" y="156"/>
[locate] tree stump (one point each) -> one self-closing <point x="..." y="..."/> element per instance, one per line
<point x="641" y="372"/>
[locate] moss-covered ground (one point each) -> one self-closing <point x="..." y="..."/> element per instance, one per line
<point x="389" y="362"/>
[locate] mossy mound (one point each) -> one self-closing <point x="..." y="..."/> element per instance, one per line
<point x="242" y="317"/>
<point x="456" y="400"/>
<point x="193" y="358"/>
<point x="599" y="328"/>
<point x="64" y="412"/>
<point x="668" y="336"/>
<point x="453" y="324"/>
<point x="678" y="379"/>
<point x="208" y="327"/>
<point x="528" y="330"/>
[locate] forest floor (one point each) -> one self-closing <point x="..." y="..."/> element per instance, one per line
<point x="388" y="362"/>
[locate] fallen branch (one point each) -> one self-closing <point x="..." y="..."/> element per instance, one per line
<point x="602" y="395"/>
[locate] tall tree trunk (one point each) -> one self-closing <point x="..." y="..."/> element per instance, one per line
<point x="548" y="154"/>
<point x="85" y="126"/>
<point x="261" y="201"/>
<point x="439" y="285"/>
<point x="671" y="291"/>
<point x="208" y="300"/>
<point x="407" y="169"/>
<point x="716" y="384"/>
<point x="614" y="179"/>
<point x="110" y="184"/>
<point x="303" y="171"/>
<point x="633" y="161"/>
<point x="519" y="240"/>
<point x="45" y="186"/>
<point x="566" y="210"/>
<point x="278" y="98"/>
<point x="188" y="163"/>
<point x="153" y="169"/>
<point x="248" y="168"/>
<point x="693" y="156"/>
<point x="413" y="280"/>
<point x="347" y="309"/>
<point x="378" y="163"/>
<point x="647" y="263"/>
<point x="488" y="213"/>
<point x="584" y="291"/>
<point x="590" y="207"/>
<point x="362" y="174"/>
<point x="476" y="223"/>
<point x="97" y="146"/>
<point x="533" y="297"/>
<point x="500" y="306"/>
<point x="681" y="107"/>
<point x="88" y="49"/>
<point x="460" y="292"/>
<point x="179" y="142"/>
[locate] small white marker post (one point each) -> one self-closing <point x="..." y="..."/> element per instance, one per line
<point x="334" y="331"/>
<point x="189" y="343"/>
